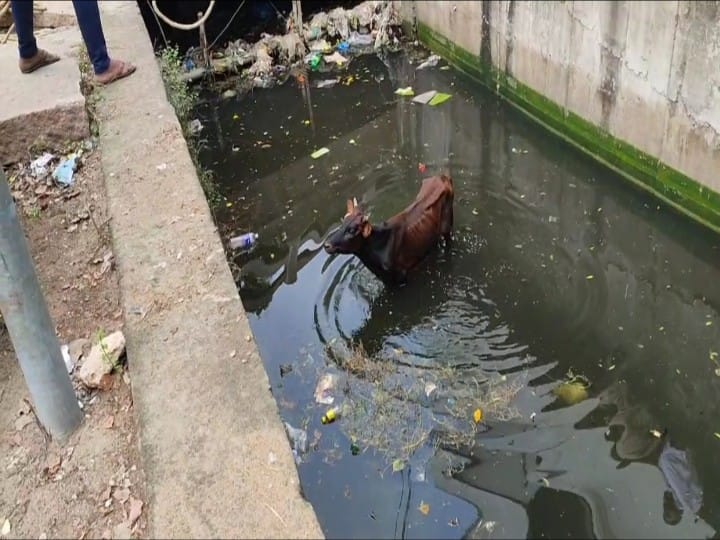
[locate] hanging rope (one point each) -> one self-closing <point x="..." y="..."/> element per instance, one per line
<point x="181" y="26"/>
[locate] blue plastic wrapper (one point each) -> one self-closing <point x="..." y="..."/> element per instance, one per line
<point x="681" y="478"/>
<point x="63" y="173"/>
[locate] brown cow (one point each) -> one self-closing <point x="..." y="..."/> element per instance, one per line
<point x="396" y="246"/>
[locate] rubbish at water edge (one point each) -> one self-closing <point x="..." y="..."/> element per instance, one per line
<point x="438" y="99"/>
<point x="421" y="168"/>
<point x="319" y="153"/>
<point x="63" y="173"/>
<point x="656" y="433"/>
<point x="352" y="141"/>
<point x="405" y="92"/>
<point x="518" y="150"/>
<point x="244" y="241"/>
<point x="478" y="415"/>
<point x="359" y="40"/>
<point x="298" y="440"/>
<point x="195" y="126"/>
<point x="430" y="388"/>
<point x="354" y="449"/>
<point x="102" y="359"/>
<point x="424" y="508"/>
<point x="335" y="58"/>
<point x="230" y="93"/>
<point x="324" y="389"/>
<point x="328" y="83"/>
<point x="370" y="24"/>
<point x="320" y="45"/>
<point x="431" y="61"/>
<point x="313" y="60"/>
<point x="398" y="465"/>
<point x="343" y="47"/>
<point x="331" y="415"/>
<point x="444" y="68"/>
<point x="38" y="166"/>
<point x="425" y="97"/>
<point x="681" y="477"/>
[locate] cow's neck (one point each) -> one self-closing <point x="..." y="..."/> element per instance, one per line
<point x="376" y="252"/>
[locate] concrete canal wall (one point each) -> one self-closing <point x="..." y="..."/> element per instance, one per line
<point x="634" y="84"/>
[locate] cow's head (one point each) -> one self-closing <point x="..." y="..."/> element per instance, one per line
<point x="350" y="236"/>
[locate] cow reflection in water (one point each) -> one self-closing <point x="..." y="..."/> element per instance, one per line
<point x="548" y="479"/>
<point x="398" y="245"/>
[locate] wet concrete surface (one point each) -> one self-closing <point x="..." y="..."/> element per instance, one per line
<point x="558" y="265"/>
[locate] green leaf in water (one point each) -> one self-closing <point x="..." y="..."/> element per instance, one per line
<point x="438" y="99"/>
<point x="398" y="465"/>
<point x="571" y="392"/>
<point x="407" y="91"/>
<point x="319" y="153"/>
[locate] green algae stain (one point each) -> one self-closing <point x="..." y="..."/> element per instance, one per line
<point x="646" y="172"/>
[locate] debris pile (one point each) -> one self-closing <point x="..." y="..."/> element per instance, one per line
<point x="384" y="405"/>
<point x="327" y="38"/>
<point x="46" y="179"/>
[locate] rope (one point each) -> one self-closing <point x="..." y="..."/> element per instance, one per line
<point x="181" y="26"/>
<point x="227" y="25"/>
<point x="162" y="32"/>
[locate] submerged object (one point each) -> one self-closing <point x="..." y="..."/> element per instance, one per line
<point x="244" y="241"/>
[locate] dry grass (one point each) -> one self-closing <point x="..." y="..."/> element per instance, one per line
<point x="395" y="410"/>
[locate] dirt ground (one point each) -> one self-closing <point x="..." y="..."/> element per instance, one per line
<point x="92" y="486"/>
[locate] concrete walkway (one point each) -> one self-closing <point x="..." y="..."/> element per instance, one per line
<point x="207" y="419"/>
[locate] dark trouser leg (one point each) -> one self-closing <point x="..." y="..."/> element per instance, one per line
<point x="88" y="17"/>
<point x="22" y="12"/>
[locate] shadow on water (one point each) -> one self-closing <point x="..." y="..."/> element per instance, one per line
<point x="558" y="265"/>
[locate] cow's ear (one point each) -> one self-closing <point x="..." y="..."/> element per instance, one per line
<point x="350" y="206"/>
<point x="366" y="229"/>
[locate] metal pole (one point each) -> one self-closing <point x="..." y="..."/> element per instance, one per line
<point x="203" y="43"/>
<point x="31" y="329"/>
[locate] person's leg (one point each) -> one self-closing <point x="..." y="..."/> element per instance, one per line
<point x="22" y="13"/>
<point x="106" y="70"/>
<point x="31" y="58"/>
<point x="88" y="17"/>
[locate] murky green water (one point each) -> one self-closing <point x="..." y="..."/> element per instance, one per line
<point x="558" y="265"/>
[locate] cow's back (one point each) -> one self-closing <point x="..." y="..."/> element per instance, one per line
<point x="420" y="225"/>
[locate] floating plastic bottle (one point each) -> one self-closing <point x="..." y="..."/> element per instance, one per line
<point x="244" y="241"/>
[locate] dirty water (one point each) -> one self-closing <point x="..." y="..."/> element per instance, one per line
<point x="558" y="266"/>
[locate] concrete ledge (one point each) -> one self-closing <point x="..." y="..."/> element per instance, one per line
<point x="45" y="107"/>
<point x="682" y="193"/>
<point x="207" y="419"/>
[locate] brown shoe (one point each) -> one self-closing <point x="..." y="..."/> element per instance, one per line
<point x="42" y="58"/>
<point x="117" y="70"/>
